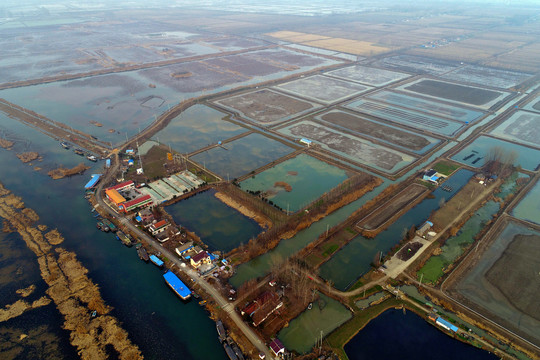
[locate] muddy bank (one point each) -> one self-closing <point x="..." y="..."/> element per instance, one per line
<point x="20" y="306"/>
<point x="261" y="220"/>
<point x="26" y="291"/>
<point x="62" y="172"/>
<point x="69" y="287"/>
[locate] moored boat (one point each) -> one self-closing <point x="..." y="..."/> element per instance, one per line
<point x="230" y="352"/>
<point x="221" y="331"/>
<point x="91" y="158"/>
<point x="79" y="152"/>
<point x="101" y="226"/>
<point x="141" y="251"/>
<point x="65" y="145"/>
<point x="124" y="238"/>
<point x="177" y="285"/>
<point x="109" y="223"/>
<point x="156" y="261"/>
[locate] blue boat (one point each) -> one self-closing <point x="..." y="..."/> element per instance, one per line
<point x="156" y="261"/>
<point x="93" y="181"/>
<point x="177" y="285"/>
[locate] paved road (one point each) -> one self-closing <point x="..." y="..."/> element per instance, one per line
<point x="181" y="266"/>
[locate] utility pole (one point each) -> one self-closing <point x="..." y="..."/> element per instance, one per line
<point x="327" y="227"/>
<point x="421" y="277"/>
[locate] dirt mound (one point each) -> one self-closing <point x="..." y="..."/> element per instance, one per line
<point x="26" y="157"/>
<point x="284" y="185"/>
<point x="62" y="172"/>
<point x="6" y="144"/>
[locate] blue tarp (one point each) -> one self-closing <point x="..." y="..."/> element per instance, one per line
<point x="93" y="181"/>
<point x="154" y="259"/>
<point x="177" y="285"/>
<point x="138" y="218"/>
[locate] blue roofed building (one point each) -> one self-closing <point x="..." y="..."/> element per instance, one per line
<point x="446" y="325"/>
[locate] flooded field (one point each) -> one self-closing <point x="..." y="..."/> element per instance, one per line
<point x="267" y="107"/>
<point x="522" y="127"/>
<point x="508" y="297"/>
<point x="325" y="315"/>
<point x="410" y="118"/>
<point x="529" y="207"/>
<point x="427" y="106"/>
<point x="417" y="65"/>
<point x="241" y="156"/>
<point x="354" y="259"/>
<point x="221" y="227"/>
<point x="475" y="153"/>
<point x="533" y="105"/>
<point x="197" y="127"/>
<point x="460" y="94"/>
<point x="368" y="75"/>
<point x="311" y="88"/>
<point x="486" y="76"/>
<point x="349" y="146"/>
<point x="407" y="336"/>
<point x="111" y="106"/>
<point x="388" y="134"/>
<point x="307" y="178"/>
<point x="50" y="51"/>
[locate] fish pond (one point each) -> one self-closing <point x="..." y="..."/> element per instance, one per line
<point x="295" y="183"/>
<point x="475" y="153"/>
<point x="325" y="315"/>
<point x="529" y="207"/>
<point x="398" y="335"/>
<point x="197" y="127"/>
<point x="241" y="156"/>
<point x="218" y="225"/>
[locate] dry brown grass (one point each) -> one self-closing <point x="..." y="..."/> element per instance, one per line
<point x="526" y="58"/>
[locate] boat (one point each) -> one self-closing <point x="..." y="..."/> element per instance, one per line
<point x="221" y="331"/>
<point x="230" y="352"/>
<point x="177" y="285"/>
<point x="94" y="314"/>
<point x="156" y="261"/>
<point x="79" y="152"/>
<point x="124" y="238"/>
<point x="93" y="181"/>
<point x="141" y="251"/>
<point x="65" y="145"/>
<point x="91" y="158"/>
<point x="109" y="223"/>
<point x="310" y="306"/>
<point x="101" y="226"/>
<point x="202" y="302"/>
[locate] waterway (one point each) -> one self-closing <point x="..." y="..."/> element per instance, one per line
<point x="354" y="259"/>
<point x="157" y="321"/>
<point x="394" y="335"/>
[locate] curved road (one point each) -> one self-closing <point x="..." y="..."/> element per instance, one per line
<point x="219" y="299"/>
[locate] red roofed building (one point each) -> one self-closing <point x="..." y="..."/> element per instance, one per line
<point x="137" y="203"/>
<point x="277" y="347"/>
<point x="122" y="186"/>
<point x="159" y="227"/>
